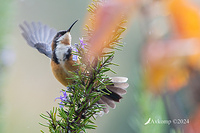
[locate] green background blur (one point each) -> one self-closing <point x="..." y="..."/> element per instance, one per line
<point x="29" y="87"/>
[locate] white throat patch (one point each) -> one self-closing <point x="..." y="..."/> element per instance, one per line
<point x="62" y="51"/>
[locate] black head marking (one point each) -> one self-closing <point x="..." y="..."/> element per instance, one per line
<point x="58" y="35"/>
<point x="61" y="33"/>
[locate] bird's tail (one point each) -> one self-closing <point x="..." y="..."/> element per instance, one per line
<point x="115" y="92"/>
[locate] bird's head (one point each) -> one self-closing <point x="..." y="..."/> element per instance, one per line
<point x="63" y="37"/>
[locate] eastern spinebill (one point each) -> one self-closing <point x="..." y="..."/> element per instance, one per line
<point x="57" y="46"/>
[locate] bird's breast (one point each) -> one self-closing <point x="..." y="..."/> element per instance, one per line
<point x="62" y="52"/>
<point x="62" y="63"/>
<point x="60" y="73"/>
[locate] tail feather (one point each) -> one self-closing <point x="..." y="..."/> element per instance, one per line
<point x="119" y="79"/>
<point x="109" y="102"/>
<point x="105" y="109"/>
<point x="112" y="95"/>
<point x="121" y="85"/>
<point x="115" y="92"/>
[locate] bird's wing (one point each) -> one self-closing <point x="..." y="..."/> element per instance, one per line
<point x="38" y="36"/>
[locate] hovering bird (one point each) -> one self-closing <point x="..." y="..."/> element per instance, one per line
<point x="57" y="46"/>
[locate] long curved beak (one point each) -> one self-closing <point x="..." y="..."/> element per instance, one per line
<point x="66" y="39"/>
<point x="71" y="26"/>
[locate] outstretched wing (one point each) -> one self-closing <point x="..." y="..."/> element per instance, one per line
<point x="38" y="36"/>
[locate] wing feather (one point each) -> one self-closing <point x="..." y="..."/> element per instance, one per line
<point x="30" y="33"/>
<point x="38" y="36"/>
<point x="38" y="32"/>
<point x="46" y="30"/>
<point x="34" y="34"/>
<point x="52" y="33"/>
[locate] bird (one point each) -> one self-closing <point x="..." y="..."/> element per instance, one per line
<point x="57" y="46"/>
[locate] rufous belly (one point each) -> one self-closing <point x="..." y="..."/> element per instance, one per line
<point x="60" y="74"/>
<point x="62" y="71"/>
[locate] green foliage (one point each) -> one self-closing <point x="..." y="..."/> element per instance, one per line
<point x="80" y="105"/>
<point x="79" y="108"/>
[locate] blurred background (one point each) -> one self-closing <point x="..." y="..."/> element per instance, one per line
<point x="160" y="57"/>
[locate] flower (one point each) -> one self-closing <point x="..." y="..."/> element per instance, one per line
<point x="168" y="63"/>
<point x="106" y="17"/>
<point x="75" y="57"/>
<point x="185" y="17"/>
<point x="81" y="42"/>
<point x="63" y="98"/>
